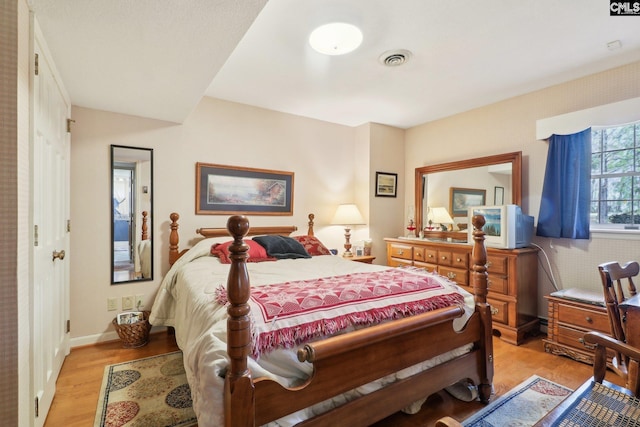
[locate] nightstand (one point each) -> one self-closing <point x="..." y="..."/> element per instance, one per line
<point x="572" y="313"/>
<point x="367" y="259"/>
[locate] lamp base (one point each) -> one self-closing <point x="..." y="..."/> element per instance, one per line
<point x="347" y="254"/>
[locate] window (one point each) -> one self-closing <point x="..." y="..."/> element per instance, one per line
<point x="615" y="178"/>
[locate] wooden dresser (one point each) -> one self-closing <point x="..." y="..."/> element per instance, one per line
<point x="513" y="279"/>
<point x="572" y="313"/>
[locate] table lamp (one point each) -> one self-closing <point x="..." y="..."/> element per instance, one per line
<point x="439" y="215"/>
<point x="347" y="215"/>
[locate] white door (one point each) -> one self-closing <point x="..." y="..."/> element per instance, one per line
<point x="51" y="141"/>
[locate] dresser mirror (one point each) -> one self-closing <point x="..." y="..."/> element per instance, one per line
<point x="131" y="214"/>
<point x="496" y="180"/>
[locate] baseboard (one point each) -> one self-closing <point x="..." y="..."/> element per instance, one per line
<point x="544" y="324"/>
<point x="105" y="337"/>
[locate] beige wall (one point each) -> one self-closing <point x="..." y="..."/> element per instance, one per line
<point x="322" y="155"/>
<point x="510" y="126"/>
<point x="332" y="163"/>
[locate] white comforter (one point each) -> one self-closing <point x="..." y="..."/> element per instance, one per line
<point x="186" y="300"/>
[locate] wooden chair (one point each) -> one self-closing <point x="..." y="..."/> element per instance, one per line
<point x="612" y="276"/>
<point x="600" y="342"/>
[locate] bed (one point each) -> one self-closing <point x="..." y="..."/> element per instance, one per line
<point x="356" y="377"/>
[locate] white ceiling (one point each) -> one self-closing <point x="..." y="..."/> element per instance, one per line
<point x="157" y="59"/>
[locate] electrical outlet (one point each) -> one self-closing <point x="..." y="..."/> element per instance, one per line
<point x="127" y="303"/>
<point x="139" y="301"/>
<point x="112" y="304"/>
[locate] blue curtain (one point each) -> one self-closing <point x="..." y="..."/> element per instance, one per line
<point x="564" y="208"/>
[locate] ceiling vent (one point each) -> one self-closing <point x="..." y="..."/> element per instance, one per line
<point x="394" y="58"/>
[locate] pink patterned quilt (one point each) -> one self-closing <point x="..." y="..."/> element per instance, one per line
<point x="287" y="314"/>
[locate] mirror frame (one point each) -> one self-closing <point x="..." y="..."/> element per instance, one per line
<point x="137" y="217"/>
<point x="515" y="158"/>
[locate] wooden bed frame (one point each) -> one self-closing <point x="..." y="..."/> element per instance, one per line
<point x="344" y="362"/>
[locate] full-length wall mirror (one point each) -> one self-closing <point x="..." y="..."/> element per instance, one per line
<point x="131" y="214"/>
<point x="492" y="180"/>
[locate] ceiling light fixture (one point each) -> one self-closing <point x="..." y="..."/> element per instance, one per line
<point x="336" y="38"/>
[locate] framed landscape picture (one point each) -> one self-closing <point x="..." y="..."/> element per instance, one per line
<point x="386" y="184"/>
<point x="460" y="199"/>
<point x="229" y="190"/>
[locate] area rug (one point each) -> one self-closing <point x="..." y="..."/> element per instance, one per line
<point x="147" y="392"/>
<point x="522" y="406"/>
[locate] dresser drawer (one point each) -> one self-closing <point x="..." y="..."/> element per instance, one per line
<point x="458" y="275"/>
<point x="583" y="318"/>
<point x="460" y="260"/>
<point x="429" y="267"/>
<point x="497" y="284"/>
<point x="444" y="257"/>
<point x="398" y="262"/>
<point x="499" y="310"/>
<point x="496" y="264"/>
<point x="431" y="255"/>
<point x="418" y="254"/>
<point x="401" y="251"/>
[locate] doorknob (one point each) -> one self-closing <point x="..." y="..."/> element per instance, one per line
<point x="58" y="254"/>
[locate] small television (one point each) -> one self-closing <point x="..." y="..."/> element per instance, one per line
<point x="505" y="227"/>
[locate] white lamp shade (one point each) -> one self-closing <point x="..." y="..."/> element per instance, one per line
<point x="347" y="214"/>
<point x="439" y="215"/>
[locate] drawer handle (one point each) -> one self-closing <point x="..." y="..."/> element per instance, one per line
<point x="489" y="283"/>
<point x="588" y="319"/>
<point x="451" y="275"/>
<point x="400" y="252"/>
<point x="430" y="256"/>
<point x="458" y="259"/>
<point x="494" y="311"/>
<point x="587" y="345"/>
<point x="444" y="257"/>
<point x="488" y="264"/>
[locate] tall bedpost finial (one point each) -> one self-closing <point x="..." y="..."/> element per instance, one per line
<point x="479" y="259"/>
<point x="310" y="230"/>
<point x="239" y="390"/>
<point x="145" y="234"/>
<point x="173" y="238"/>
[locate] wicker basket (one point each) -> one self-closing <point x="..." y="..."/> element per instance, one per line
<point x="135" y="334"/>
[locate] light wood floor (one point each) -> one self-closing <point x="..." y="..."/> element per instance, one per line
<point x="81" y="376"/>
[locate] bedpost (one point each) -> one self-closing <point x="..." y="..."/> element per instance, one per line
<point x="310" y="231"/>
<point x="479" y="260"/>
<point x="174" y="239"/>
<point x="239" y="392"/>
<point x="480" y="287"/>
<point x="145" y="235"/>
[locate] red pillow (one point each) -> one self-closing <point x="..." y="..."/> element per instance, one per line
<point x="256" y="252"/>
<point x="312" y="245"/>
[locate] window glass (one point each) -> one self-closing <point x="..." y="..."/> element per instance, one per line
<point x="615" y="177"/>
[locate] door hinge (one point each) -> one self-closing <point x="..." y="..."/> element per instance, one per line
<point x="35" y="235"/>
<point x="68" y="325"/>
<point x="37" y="410"/>
<point x="69" y="121"/>
<point x="68" y="226"/>
<point x="36" y="65"/>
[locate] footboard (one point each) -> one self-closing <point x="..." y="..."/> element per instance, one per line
<point x="344" y="362"/>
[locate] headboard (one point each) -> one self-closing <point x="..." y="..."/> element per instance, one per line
<point x="174" y="238"/>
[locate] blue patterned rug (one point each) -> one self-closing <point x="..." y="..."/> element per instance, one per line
<point x="146" y="392"/>
<point x="522" y="406"/>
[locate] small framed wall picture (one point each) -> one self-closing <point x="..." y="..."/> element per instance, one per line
<point x="386" y="184"/>
<point x="498" y="195"/>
